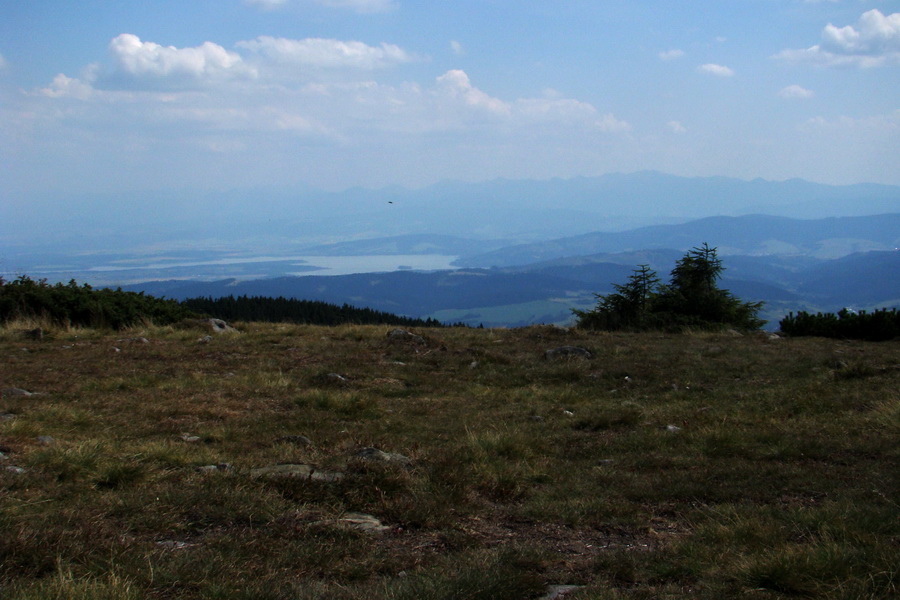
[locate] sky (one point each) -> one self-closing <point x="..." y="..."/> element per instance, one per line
<point x="101" y="97"/>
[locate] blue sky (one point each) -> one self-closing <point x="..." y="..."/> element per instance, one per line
<point x="99" y="96"/>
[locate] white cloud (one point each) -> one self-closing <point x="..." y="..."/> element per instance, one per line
<point x="873" y="42"/>
<point x="457" y="48"/>
<point x="671" y="54"/>
<point x="361" y="6"/>
<point x="455" y="84"/>
<point x="265" y="4"/>
<point x="327" y="53"/>
<point x="3" y="63"/>
<point x="137" y="60"/>
<point x="67" y="87"/>
<point x="676" y="127"/>
<point x="796" y="91"/>
<point x="717" y="70"/>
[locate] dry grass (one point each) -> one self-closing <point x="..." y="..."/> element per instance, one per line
<point x="703" y="466"/>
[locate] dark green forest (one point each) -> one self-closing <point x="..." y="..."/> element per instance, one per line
<point x="77" y="305"/>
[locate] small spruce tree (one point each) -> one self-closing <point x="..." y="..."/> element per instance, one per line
<point x="691" y="299"/>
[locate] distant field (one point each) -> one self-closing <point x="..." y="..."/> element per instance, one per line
<point x="463" y="463"/>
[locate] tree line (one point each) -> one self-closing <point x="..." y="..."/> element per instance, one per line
<point x="71" y="304"/>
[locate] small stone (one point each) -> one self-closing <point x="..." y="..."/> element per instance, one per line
<point x="116" y="349"/>
<point x="606" y="461"/>
<point x="297" y="440"/>
<point x="16" y="470"/>
<point x="191" y="439"/>
<point x="299" y="471"/>
<point x="174" y="544"/>
<point x="673" y="428"/>
<point x="555" y="592"/>
<point x="205" y="339"/>
<point x="403" y="335"/>
<point x="214" y="468"/>
<point x="13" y="392"/>
<point x="46" y="440"/>
<point x="7" y="416"/>
<point x="376" y="455"/>
<point x="363" y="522"/>
<point x="336" y="377"/>
<point x="568" y="413"/>
<point x="568" y="352"/>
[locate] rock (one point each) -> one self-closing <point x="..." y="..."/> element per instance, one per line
<point x="297" y="440"/>
<point x="568" y="413"/>
<point x="46" y="440"/>
<point x="191" y="439"/>
<point x="376" y="455"/>
<point x="362" y="522"/>
<point x="402" y="335"/>
<point x="174" y="544"/>
<point x="220" y="326"/>
<point x="298" y="471"/>
<point x="673" y="428"/>
<point x="773" y="337"/>
<point x="7" y="416"/>
<point x="555" y="592"/>
<point x="205" y="339"/>
<point x="16" y="470"/>
<point x="214" y="468"/>
<point x="13" y="392"/>
<point x="567" y="352"/>
<point x="336" y="377"/>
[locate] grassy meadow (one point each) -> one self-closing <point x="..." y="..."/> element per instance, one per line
<point x="665" y="466"/>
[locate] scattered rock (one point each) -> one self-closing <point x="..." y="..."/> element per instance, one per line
<point x="220" y="326"/>
<point x="568" y="413"/>
<point x="402" y="335"/>
<point x="7" y="416"/>
<point x="555" y="592"/>
<point x="191" y="439"/>
<point x="336" y="377"/>
<point x="3" y="456"/>
<point x="16" y="470"/>
<point x="473" y="364"/>
<point x="298" y="471"/>
<point x="673" y="428"/>
<point x="606" y="461"/>
<point x="376" y="455"/>
<point x="13" y="392"/>
<point x="362" y="522"/>
<point x="205" y="339"/>
<point x="734" y="333"/>
<point x="174" y="544"/>
<point x="773" y="337"/>
<point x="214" y="468"/>
<point x="568" y="352"/>
<point x="46" y="440"/>
<point x="297" y="440"/>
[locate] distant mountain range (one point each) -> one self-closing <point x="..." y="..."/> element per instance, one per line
<point x="783" y="262"/>
<point x="526" y="251"/>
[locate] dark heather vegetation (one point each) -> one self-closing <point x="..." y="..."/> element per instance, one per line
<point x="73" y="305"/>
<point x="876" y="326"/>
<point x="150" y="463"/>
<point x="691" y="300"/>
<point x="289" y="310"/>
<point x="82" y="306"/>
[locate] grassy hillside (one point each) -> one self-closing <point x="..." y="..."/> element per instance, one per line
<point x="145" y="464"/>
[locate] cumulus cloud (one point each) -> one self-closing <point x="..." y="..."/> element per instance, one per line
<point x="67" y="87"/>
<point x="457" y="48"/>
<point x="717" y="70"/>
<point x="455" y="84"/>
<point x="873" y="42"/>
<point x="138" y="60"/>
<point x="265" y="4"/>
<point x="361" y="6"/>
<point x="796" y="91"/>
<point x="327" y="53"/>
<point x="676" y="127"/>
<point x="671" y="54"/>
